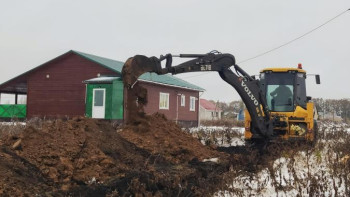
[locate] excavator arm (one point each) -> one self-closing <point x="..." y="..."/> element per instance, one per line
<point x="246" y="86"/>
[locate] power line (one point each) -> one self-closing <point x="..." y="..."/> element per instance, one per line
<point x="280" y="46"/>
<point x="295" y="39"/>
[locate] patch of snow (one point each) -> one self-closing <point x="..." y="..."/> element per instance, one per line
<point x="12" y="123"/>
<point x="219" y="135"/>
<point x="92" y="181"/>
<point x="215" y="160"/>
<point x="234" y="142"/>
<point x="216" y="129"/>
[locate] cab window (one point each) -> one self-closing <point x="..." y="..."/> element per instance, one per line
<point x="280" y="91"/>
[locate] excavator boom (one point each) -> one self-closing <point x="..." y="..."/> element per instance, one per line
<point x="246" y="86"/>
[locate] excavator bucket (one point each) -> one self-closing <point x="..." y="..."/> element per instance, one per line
<point x="135" y="66"/>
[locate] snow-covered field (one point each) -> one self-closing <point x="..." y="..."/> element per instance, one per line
<point x="299" y="175"/>
<point x="322" y="170"/>
<point x="220" y="136"/>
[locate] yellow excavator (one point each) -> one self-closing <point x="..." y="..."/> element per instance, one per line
<point x="291" y="111"/>
<point x="276" y="104"/>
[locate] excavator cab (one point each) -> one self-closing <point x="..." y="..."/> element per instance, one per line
<point x="284" y="89"/>
<point x="291" y="110"/>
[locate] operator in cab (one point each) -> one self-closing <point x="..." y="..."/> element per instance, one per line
<point x="281" y="95"/>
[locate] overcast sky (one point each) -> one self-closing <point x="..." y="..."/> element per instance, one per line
<point x="33" y="32"/>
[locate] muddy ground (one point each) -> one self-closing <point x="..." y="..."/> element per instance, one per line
<point x="85" y="157"/>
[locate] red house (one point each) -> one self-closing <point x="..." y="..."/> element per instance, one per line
<point x="209" y="110"/>
<point x="78" y="84"/>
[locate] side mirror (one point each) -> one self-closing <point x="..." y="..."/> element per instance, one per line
<point x="318" y="81"/>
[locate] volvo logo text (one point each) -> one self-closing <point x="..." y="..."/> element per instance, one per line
<point x="246" y="89"/>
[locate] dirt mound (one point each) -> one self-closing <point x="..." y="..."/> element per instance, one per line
<point x="20" y="178"/>
<point x="85" y="157"/>
<point x="66" y="152"/>
<point x="162" y="137"/>
<point x="75" y="152"/>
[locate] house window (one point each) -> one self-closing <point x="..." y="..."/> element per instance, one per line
<point x="163" y="100"/>
<point x="192" y="103"/>
<point x="183" y="98"/>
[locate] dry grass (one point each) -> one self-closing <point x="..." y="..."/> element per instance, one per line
<point x="298" y="169"/>
<point x="11" y="129"/>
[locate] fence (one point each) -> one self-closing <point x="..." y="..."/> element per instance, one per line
<point x="13" y="111"/>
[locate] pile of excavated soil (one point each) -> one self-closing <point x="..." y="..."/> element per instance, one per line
<point x="20" y="178"/>
<point x="85" y="157"/>
<point x="72" y="153"/>
<point x="162" y="137"/>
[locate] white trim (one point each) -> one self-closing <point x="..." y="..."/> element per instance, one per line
<point x="164" y="84"/>
<point x="192" y="106"/>
<point x="167" y="100"/>
<point x="183" y="100"/>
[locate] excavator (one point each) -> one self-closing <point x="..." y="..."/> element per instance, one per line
<point x="276" y="104"/>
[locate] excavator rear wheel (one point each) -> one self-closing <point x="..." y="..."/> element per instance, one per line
<point x="315" y="132"/>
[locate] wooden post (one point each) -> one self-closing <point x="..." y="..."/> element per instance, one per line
<point x="16" y="98"/>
